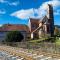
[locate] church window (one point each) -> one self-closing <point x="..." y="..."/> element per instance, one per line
<point x="34" y="26"/>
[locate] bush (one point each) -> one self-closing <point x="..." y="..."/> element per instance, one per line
<point x="14" y="36"/>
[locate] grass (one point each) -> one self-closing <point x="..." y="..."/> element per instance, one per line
<point x="57" y="41"/>
<point x="35" y="41"/>
<point x="38" y="40"/>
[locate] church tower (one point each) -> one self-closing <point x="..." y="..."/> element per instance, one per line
<point x="50" y="18"/>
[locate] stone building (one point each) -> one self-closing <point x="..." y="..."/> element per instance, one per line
<point x="36" y="28"/>
<point x="13" y="27"/>
<point x="42" y="27"/>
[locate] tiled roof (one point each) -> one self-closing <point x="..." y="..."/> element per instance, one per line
<point x="12" y="27"/>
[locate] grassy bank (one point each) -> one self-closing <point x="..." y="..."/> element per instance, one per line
<point x="51" y="39"/>
<point x="57" y="41"/>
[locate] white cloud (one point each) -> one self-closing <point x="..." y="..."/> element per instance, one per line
<point x="23" y="14"/>
<point x="54" y="3"/>
<point x="1" y="25"/>
<point x="41" y="11"/>
<point x="56" y="0"/>
<point x="15" y="3"/>
<point x="2" y="12"/>
<point x="3" y="1"/>
<point x="43" y="7"/>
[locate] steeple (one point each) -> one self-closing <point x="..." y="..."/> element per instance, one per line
<point x="50" y="18"/>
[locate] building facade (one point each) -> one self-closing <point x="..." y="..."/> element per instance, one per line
<point x="24" y="30"/>
<point x="43" y="27"/>
<point x="36" y="28"/>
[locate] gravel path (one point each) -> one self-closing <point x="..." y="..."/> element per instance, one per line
<point x="5" y="56"/>
<point x="13" y="53"/>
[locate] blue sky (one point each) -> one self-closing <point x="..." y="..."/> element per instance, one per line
<point x="19" y="11"/>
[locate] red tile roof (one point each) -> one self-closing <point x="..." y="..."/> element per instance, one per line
<point x="12" y="27"/>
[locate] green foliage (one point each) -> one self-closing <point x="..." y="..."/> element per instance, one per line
<point x="34" y="41"/>
<point x="39" y="40"/>
<point x="56" y="31"/>
<point x="14" y="36"/>
<point x="57" y="41"/>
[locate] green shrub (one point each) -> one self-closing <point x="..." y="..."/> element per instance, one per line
<point x="14" y="36"/>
